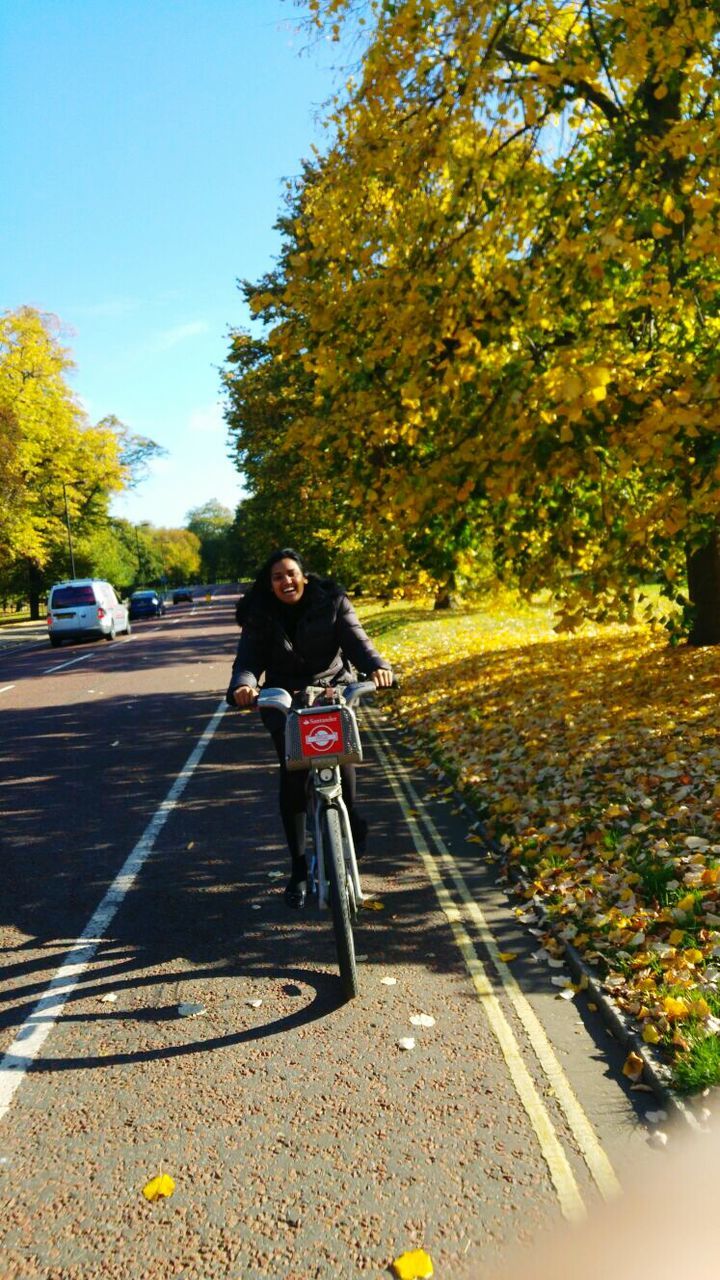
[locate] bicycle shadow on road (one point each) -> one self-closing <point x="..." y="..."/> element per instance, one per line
<point x="327" y="998"/>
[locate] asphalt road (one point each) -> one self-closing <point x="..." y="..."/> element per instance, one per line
<point x="139" y="833"/>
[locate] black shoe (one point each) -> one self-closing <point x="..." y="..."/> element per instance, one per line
<point x="296" y="893"/>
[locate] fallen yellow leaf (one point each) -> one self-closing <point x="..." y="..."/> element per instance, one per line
<point x="372" y="904"/>
<point x="415" y="1265"/>
<point x="675" y="1008"/>
<point x="507" y="956"/>
<point x="163" y="1185"/>
<point x="570" y="839"/>
<point x="650" y="1034"/>
<point x="633" y="1066"/>
<point x="646" y="984"/>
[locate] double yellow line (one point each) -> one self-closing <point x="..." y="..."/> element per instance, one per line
<point x="441" y="868"/>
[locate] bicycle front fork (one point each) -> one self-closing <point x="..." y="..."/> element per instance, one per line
<point x="328" y="794"/>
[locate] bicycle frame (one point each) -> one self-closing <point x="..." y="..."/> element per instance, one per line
<point x="325" y="790"/>
<point x="324" y="784"/>
<point x="321" y="737"/>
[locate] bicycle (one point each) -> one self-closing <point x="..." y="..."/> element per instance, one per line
<point x="321" y="735"/>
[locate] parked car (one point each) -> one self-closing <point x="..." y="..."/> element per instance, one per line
<point x="83" y="607"/>
<point x="183" y="595"/>
<point x="146" y="604"/>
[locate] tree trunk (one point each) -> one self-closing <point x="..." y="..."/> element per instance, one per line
<point x="446" y="599"/>
<point x="703" y="571"/>
<point x="35" y="589"/>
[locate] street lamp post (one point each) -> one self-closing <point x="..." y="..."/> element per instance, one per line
<point x="137" y="549"/>
<point x="69" y="532"/>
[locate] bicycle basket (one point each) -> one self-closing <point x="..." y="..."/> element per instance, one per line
<point x="325" y="733"/>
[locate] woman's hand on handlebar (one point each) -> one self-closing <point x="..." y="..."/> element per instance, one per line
<point x="245" y="696"/>
<point x="381" y="678"/>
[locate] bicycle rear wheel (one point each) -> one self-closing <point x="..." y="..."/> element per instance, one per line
<point x="339" y="901"/>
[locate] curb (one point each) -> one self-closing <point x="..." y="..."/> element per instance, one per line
<point x="654" y="1073"/>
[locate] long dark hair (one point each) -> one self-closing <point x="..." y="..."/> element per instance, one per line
<point x="262" y="584"/>
<point x="260" y="593"/>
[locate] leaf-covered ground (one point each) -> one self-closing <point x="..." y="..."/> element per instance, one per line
<point x="594" y="761"/>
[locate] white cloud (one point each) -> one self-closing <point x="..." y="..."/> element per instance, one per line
<point x="209" y="419"/>
<point x="169" y="338"/>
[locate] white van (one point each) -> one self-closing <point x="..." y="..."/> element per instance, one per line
<point x="85" y="607"/>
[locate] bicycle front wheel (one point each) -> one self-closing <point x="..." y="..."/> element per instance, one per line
<point x="339" y="901"/>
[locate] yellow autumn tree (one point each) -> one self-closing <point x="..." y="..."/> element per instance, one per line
<point x="296" y="495"/>
<point x="55" y="466"/>
<point x="502" y="282"/>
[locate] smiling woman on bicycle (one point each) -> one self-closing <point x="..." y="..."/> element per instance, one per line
<point x="300" y="630"/>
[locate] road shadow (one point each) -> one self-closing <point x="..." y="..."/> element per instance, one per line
<point x="78" y="787"/>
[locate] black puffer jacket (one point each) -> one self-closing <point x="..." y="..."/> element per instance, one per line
<point x="328" y="638"/>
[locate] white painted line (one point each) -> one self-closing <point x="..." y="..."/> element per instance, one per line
<point x="49" y="670"/>
<point x="31" y="1036"/>
<point x="6" y="687"/>
<point x="561" y="1174"/>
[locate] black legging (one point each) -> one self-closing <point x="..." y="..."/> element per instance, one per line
<point x="293" y="796"/>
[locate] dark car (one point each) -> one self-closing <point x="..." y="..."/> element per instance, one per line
<point x="146" y="604"/>
<point x="182" y="595"/>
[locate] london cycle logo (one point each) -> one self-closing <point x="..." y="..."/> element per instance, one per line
<point x="322" y="735"/>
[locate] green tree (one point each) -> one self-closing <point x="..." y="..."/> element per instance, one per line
<point x="133" y="556"/>
<point x="294" y="499"/>
<point x="212" y="523"/>
<point x="177" y="552"/>
<point x="108" y="552"/>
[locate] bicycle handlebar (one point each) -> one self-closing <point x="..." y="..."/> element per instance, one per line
<point x="353" y="692"/>
<point x="281" y="700"/>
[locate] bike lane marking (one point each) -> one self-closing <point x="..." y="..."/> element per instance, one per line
<point x="33" y="1033"/>
<point x="588" y="1143"/>
<point x="593" y="1153"/>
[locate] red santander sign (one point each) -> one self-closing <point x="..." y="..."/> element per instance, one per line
<point x="321" y="734"/>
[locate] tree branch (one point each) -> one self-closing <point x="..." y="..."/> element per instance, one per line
<point x="587" y="4"/>
<point x="581" y="88"/>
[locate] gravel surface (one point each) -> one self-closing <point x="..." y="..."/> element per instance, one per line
<point x="302" y="1140"/>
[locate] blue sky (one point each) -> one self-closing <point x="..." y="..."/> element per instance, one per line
<point x="143" y="150"/>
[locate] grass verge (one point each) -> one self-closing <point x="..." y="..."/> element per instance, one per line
<point x="8" y="618"/>
<point x="594" y="761"/>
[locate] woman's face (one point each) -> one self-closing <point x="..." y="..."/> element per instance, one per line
<point x="287" y="581"/>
